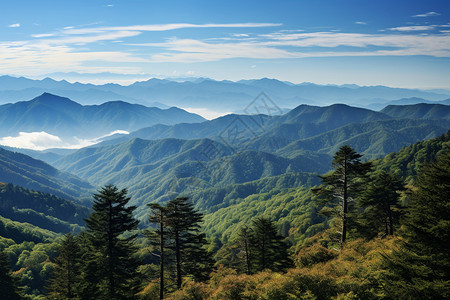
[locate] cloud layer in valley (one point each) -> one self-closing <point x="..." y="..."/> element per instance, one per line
<point x="43" y="140"/>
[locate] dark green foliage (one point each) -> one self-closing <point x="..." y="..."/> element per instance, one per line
<point x="244" y="241"/>
<point x="343" y="185"/>
<point x="268" y="248"/>
<point x="406" y="162"/>
<point x="380" y="200"/>
<point x="41" y="209"/>
<point x="421" y="267"/>
<point x="20" y="169"/>
<point x="65" y="282"/>
<point x="21" y="232"/>
<point x="187" y="241"/>
<point x="108" y="250"/>
<point x="8" y="285"/>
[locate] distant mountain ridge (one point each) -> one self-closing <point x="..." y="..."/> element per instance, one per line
<point x="63" y="117"/>
<point x="419" y="111"/>
<point x="224" y="96"/>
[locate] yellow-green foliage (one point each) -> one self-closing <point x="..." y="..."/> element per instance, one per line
<point x="353" y="273"/>
<point x="292" y="206"/>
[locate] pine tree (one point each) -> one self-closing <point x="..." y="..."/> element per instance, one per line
<point x="8" y="286"/>
<point x="340" y="187"/>
<point x="187" y="242"/>
<point x="268" y="247"/>
<point x="420" y="269"/>
<point x="244" y="241"/>
<point x="158" y="237"/>
<point x="110" y="219"/>
<point x="66" y="273"/>
<point x="90" y="268"/>
<point x="380" y="200"/>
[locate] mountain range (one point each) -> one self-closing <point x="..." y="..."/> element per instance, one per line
<point x="160" y="162"/>
<point x="221" y="96"/>
<point x="208" y="160"/>
<point x="67" y="119"/>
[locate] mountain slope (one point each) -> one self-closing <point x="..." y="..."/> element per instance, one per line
<point x="22" y="170"/>
<point x="65" y="118"/>
<point x="158" y="170"/>
<point x="418" y="111"/>
<point x="40" y="209"/>
<point x="301" y="122"/>
<point x="373" y="139"/>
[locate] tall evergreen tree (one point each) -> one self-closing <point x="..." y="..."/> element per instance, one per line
<point x="420" y="269"/>
<point x="244" y="240"/>
<point x="268" y="247"/>
<point x="8" y="285"/>
<point x="187" y="242"/>
<point x="158" y="237"/>
<point x="341" y="185"/>
<point x="380" y="200"/>
<point x="66" y="273"/>
<point x="90" y="268"/>
<point x="117" y="268"/>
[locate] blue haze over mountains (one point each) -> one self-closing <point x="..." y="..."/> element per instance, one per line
<point x="165" y="153"/>
<point x="222" y="96"/>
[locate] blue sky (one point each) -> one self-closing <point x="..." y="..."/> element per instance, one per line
<point x="393" y="43"/>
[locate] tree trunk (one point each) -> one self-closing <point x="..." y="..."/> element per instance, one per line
<point x="247" y="256"/>
<point x="344" y="206"/>
<point x="161" y="262"/>
<point x="110" y="259"/>
<point x="391" y="223"/>
<point x="178" y="258"/>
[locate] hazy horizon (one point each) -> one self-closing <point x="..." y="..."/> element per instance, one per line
<point x="403" y="44"/>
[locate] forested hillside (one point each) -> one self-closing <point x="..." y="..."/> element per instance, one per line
<point x="22" y="170"/>
<point x="303" y="258"/>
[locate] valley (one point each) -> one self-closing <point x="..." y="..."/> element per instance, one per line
<point x="233" y="169"/>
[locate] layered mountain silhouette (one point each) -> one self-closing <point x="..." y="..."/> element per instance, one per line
<point x="65" y="118"/>
<point x="222" y="96"/>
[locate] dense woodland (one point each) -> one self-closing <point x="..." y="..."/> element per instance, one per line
<point x="369" y="229"/>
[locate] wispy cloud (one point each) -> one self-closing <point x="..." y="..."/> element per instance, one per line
<point x="166" y="27"/>
<point x="360" y="23"/>
<point x="303" y="45"/>
<point x="71" y="49"/>
<point x="428" y="14"/>
<point x="414" y="28"/>
<point x="14" y="25"/>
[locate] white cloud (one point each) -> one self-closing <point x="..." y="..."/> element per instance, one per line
<point x="206" y="112"/>
<point x="361" y="23"/>
<point x="43" y="140"/>
<point x="414" y="28"/>
<point x="14" y="25"/>
<point x="69" y="50"/>
<point x="32" y="140"/>
<point x="428" y="14"/>
<point x="166" y="27"/>
<point x="240" y="35"/>
<point x="43" y="35"/>
<point x="274" y="46"/>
